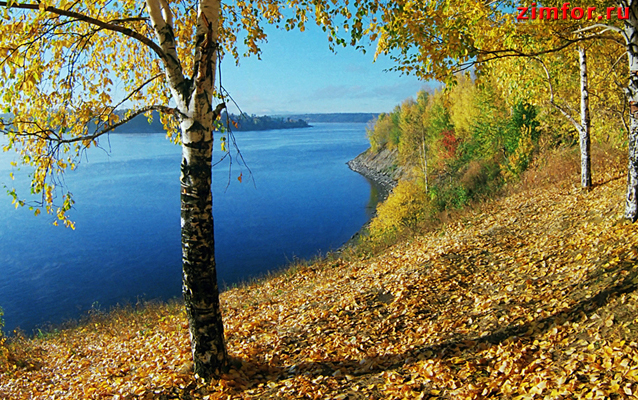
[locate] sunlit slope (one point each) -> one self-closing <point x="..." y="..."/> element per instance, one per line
<point x="533" y="296"/>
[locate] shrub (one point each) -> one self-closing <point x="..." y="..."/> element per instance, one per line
<point x="450" y="143"/>
<point x="524" y="116"/>
<point x="475" y="176"/>
<point x="517" y="163"/>
<point x="448" y="196"/>
<point x="404" y="208"/>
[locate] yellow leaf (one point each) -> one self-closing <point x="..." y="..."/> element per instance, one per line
<point x="614" y="387"/>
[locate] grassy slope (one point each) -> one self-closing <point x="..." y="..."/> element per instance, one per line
<point x="533" y="296"/>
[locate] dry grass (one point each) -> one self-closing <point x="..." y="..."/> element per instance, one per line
<point x="562" y="167"/>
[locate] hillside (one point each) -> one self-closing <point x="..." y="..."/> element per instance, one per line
<point x="246" y="122"/>
<point x="335" y="117"/>
<point x="140" y="123"/>
<point x="533" y="296"/>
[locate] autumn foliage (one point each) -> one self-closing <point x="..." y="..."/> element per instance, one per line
<point x="404" y="209"/>
<point x="450" y="143"/>
<point x="461" y="144"/>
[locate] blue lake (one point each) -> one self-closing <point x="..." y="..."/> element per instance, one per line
<point x="304" y="202"/>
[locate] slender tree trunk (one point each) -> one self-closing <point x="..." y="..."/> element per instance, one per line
<point x="425" y="161"/>
<point x="585" y="142"/>
<point x="631" y="32"/>
<point x="583" y="127"/>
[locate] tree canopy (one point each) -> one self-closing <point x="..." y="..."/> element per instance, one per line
<point x="437" y="39"/>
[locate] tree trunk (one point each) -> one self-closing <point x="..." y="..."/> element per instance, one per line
<point x="583" y="127"/>
<point x="585" y="142"/>
<point x="193" y="97"/>
<point x="425" y="161"/>
<point x="201" y="294"/>
<point x="631" y="32"/>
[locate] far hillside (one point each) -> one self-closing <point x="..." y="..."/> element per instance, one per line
<point x="336" y="117"/>
<point x="244" y="122"/>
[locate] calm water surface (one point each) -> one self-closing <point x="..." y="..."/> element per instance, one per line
<point x="304" y="202"/>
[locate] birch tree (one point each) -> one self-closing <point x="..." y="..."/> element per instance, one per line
<point x="585" y="139"/>
<point x="583" y="127"/>
<point x="630" y="33"/>
<point x="413" y="149"/>
<point x="68" y="67"/>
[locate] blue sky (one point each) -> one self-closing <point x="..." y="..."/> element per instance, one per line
<point x="298" y="73"/>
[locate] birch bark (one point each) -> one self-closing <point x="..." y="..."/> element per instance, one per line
<point x="585" y="141"/>
<point x="424" y="161"/>
<point x="631" y="35"/>
<point x="583" y="127"/>
<point x="194" y="97"/>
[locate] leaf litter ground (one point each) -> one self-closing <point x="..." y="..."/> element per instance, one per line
<point x="535" y="296"/>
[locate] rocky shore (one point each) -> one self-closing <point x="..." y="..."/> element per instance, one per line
<point x="383" y="181"/>
<point x="380" y="169"/>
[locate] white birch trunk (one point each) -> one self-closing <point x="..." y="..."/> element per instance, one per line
<point x="631" y="34"/>
<point x="585" y="141"/>
<point x="194" y="97"/>
<point x="583" y="127"/>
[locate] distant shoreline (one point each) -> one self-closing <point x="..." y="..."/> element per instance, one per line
<point x="250" y="123"/>
<point x="334" y="117"/>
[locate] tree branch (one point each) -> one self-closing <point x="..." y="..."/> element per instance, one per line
<point x="161" y="19"/>
<point x="110" y="128"/>
<point x="52" y="136"/>
<point x="567" y="115"/>
<point x="492" y="55"/>
<point x="218" y="110"/>
<point x="605" y="29"/>
<point x="136" y="90"/>
<point x="93" y="21"/>
<point x="129" y="19"/>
